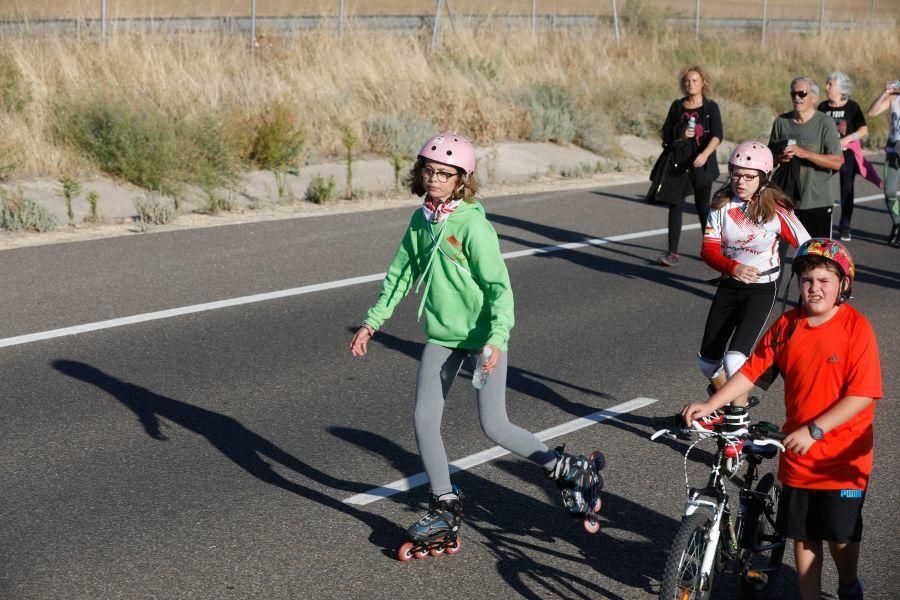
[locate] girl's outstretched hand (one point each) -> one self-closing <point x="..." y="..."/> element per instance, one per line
<point x="359" y="345"/>
<point x="493" y="359"/>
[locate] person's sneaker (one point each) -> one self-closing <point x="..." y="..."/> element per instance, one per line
<point x="711" y="420"/>
<point x="845" y="236"/>
<point x="669" y="259"/>
<point x="734" y="449"/>
<point x="853" y="592"/>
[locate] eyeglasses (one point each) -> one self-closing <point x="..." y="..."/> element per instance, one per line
<point x="748" y="177"/>
<point x="441" y="176"/>
<point x="799" y="93"/>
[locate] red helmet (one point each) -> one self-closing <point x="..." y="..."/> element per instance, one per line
<point x="832" y="250"/>
<point x="450" y="149"/>
<point x="752" y="155"/>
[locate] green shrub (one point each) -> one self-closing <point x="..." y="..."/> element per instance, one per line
<point x="277" y="140"/>
<point x="93" y="199"/>
<point x="132" y="140"/>
<point x="70" y="190"/>
<point x="550" y="114"/>
<point x="212" y="162"/>
<point x="15" y="91"/>
<point x="154" y="210"/>
<point x="18" y="213"/>
<point x="320" y="190"/>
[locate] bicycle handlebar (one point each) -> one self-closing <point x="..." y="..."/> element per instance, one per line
<point x="762" y="433"/>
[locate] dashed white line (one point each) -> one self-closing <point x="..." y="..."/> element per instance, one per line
<point x="463" y="464"/>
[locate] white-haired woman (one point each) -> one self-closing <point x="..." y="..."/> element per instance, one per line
<point x="851" y="125"/>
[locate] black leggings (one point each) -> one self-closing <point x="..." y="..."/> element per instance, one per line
<point x="817" y="221"/>
<point x="738" y="313"/>
<point x="701" y="201"/>
<point x="848" y="174"/>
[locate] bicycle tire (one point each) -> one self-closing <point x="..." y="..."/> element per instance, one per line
<point x="760" y="568"/>
<point x="683" y="561"/>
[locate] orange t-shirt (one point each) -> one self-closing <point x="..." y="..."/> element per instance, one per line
<point x="821" y="365"/>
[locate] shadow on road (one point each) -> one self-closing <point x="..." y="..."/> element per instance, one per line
<point x="649" y="270"/>
<point x="243" y="447"/>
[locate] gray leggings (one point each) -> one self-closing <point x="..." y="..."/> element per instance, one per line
<point x="437" y="370"/>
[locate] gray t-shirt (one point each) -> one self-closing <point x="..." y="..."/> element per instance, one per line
<point x="819" y="135"/>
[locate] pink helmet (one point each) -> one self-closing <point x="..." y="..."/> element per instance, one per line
<point x="752" y="155"/>
<point x="450" y="149"/>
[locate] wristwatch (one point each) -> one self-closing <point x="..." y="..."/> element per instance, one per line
<point x="815" y="431"/>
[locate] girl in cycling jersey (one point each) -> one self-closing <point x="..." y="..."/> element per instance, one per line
<point x="747" y="219"/>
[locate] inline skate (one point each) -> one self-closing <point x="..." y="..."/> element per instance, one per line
<point x="437" y="532"/>
<point x="580" y="483"/>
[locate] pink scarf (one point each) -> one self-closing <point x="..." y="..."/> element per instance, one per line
<point x="865" y="167"/>
<point x="435" y="213"/>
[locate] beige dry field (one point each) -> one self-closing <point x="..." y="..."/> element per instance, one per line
<point x="855" y="10"/>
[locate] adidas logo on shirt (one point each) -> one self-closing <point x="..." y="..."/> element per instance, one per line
<point x="833" y="359"/>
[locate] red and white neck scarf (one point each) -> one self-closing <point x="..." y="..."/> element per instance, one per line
<point x="435" y="213"/>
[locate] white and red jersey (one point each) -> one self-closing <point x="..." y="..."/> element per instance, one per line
<point x="732" y="238"/>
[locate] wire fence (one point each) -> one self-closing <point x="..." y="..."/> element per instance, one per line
<point x="105" y="17"/>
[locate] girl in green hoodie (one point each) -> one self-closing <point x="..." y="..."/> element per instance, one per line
<point x="453" y="252"/>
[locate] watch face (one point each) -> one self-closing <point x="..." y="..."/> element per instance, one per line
<point x="815" y="431"/>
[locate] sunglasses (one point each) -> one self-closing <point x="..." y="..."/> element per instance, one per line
<point x="799" y="94"/>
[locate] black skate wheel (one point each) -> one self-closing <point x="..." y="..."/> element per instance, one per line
<point x="405" y="552"/>
<point x="599" y="460"/>
<point x="454" y="546"/>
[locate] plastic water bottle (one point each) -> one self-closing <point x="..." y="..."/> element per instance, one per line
<point x="479" y="377"/>
<point x="692" y="123"/>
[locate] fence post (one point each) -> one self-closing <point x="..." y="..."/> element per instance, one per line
<point x="697" y="20"/>
<point x="436" y="28"/>
<point x="615" y="21"/>
<point x="252" y="26"/>
<point x="103" y="21"/>
<point x="821" y="18"/>
<point x="341" y="23"/>
<point x="764" y="22"/>
<point x="534" y="22"/>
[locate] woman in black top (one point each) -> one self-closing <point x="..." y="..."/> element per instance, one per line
<point x="851" y="125"/>
<point x="706" y="134"/>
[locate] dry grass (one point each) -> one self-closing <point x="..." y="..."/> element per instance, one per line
<point x="489" y="83"/>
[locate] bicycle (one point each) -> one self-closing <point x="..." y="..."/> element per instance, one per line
<point x="712" y="534"/>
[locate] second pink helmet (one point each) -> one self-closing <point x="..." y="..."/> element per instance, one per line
<point x="450" y="149"/>
<point x="752" y="155"/>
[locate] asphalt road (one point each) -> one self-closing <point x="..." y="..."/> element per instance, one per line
<point x="209" y="455"/>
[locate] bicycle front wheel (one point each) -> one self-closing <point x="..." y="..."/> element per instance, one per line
<point x="682" y="578"/>
<point x="763" y="546"/>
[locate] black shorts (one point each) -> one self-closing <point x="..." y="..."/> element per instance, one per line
<point x="821" y="515"/>
<point x="737" y="317"/>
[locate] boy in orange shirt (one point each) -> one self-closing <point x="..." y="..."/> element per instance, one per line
<point x="827" y="353"/>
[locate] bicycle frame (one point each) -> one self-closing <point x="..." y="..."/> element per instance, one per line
<point x="713" y="499"/>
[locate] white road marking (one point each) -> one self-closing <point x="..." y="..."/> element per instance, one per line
<point x="318" y="287"/>
<point x="403" y="485"/>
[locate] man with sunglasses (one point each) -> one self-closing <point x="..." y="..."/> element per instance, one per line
<point x="807" y="148"/>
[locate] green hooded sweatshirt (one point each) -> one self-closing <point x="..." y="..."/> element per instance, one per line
<point x="466" y="295"/>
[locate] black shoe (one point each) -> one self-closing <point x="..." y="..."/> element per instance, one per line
<point x="894" y="236"/>
<point x="854" y="592"/>
<point x="845" y="236"/>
